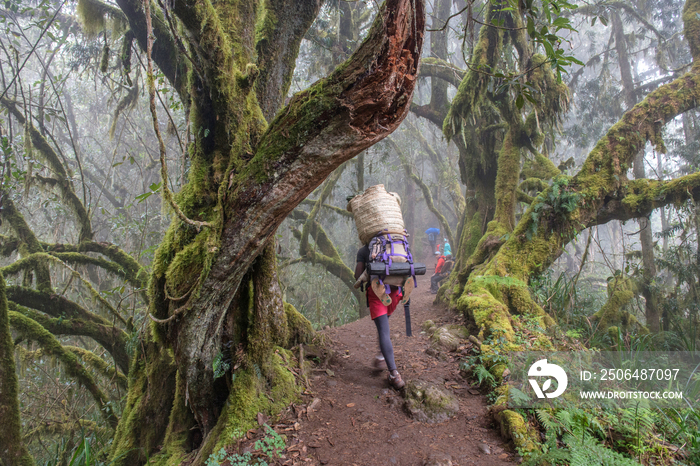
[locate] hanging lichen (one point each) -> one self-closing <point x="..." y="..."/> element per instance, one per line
<point x="94" y="14"/>
<point x="127" y="102"/>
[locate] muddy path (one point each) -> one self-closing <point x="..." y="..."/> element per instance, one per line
<point x="352" y="417"/>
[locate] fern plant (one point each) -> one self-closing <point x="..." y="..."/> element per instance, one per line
<point x="637" y="425"/>
<point x="555" y="204"/>
<point x="580" y="444"/>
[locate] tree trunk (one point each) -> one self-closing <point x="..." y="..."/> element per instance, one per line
<point x="493" y="283"/>
<point x="12" y="448"/>
<point x="216" y="288"/>
<point x="645" y="234"/>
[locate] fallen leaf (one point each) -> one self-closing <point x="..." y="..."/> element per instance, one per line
<point x="314" y="404"/>
<point x="330" y="373"/>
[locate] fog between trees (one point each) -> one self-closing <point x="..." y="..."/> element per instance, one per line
<point x="554" y="145"/>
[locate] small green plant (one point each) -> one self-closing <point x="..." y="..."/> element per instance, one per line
<point x="687" y="431"/>
<point x="222" y="361"/>
<point x="220" y="366"/>
<point x="475" y="366"/>
<point x="245" y="459"/>
<point x="216" y="458"/>
<point x="272" y="444"/>
<point x="554" y="204"/>
<point x="270" y="447"/>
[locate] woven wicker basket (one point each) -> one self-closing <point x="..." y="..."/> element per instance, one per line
<point x="376" y="210"/>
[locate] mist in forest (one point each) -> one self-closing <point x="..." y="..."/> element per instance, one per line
<point x="552" y="143"/>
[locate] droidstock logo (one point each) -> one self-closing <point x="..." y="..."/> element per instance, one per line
<point x="543" y="369"/>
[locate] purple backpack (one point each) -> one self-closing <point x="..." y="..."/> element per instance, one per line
<point x="390" y="259"/>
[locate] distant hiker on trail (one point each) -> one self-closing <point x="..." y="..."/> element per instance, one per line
<point x="447" y="250"/>
<point x="432" y="237"/>
<point x="442" y="270"/>
<point x="380" y="313"/>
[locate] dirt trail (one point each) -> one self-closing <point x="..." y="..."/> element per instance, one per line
<point x="358" y="420"/>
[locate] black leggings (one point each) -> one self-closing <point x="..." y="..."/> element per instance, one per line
<point x="435" y="281"/>
<point x="382" y="323"/>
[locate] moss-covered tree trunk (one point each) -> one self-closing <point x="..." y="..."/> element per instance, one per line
<point x="12" y="448"/>
<point x="492" y="286"/>
<point x="214" y="290"/>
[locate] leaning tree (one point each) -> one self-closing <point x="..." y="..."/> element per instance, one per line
<point x="214" y="288"/>
<point x="214" y="280"/>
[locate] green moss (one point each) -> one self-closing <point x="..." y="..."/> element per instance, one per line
<point x="539" y="168"/>
<point x="516" y="428"/>
<point x="471" y="236"/>
<point x="428" y="403"/>
<point x="62" y="182"/>
<point x="30" y="244"/>
<point x="266" y="24"/>
<point x="507" y="181"/>
<point x="12" y="451"/>
<point x="300" y="329"/>
<point x="127" y="102"/>
<point x="100" y="365"/>
<point x="176" y="444"/>
<point x="152" y="387"/>
<point x="267" y="326"/>
<point x="32" y="331"/>
<point x="250" y="394"/>
<point x="520" y="302"/>
<point x="621" y="291"/>
<point x="486" y="312"/>
<point x="513" y="426"/>
<point x="691" y="27"/>
<point x="185" y="269"/>
<point x="553" y="98"/>
<point x="473" y="87"/>
<point x="533" y="184"/>
<point x="93" y="16"/>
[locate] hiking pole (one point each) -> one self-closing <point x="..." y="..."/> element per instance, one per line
<point x="407" y="313"/>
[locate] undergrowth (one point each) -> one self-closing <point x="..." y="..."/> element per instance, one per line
<point x="266" y="449"/>
<point x="608" y="435"/>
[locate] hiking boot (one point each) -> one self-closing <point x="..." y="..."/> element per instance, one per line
<point x="396" y="381"/>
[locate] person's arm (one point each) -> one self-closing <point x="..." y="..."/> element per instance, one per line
<point x="359" y="268"/>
